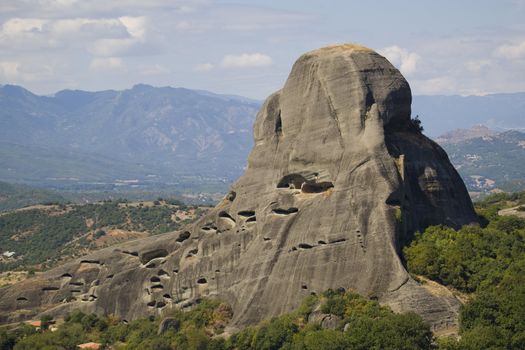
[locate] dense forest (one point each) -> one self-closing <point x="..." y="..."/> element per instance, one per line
<point x="484" y="263"/>
<point x="488" y="263"/>
<point x="42" y="236"/>
<point x="369" y="326"/>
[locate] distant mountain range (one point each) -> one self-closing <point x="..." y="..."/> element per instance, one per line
<point x="486" y="159"/>
<point x="440" y="114"/>
<point x="144" y="134"/>
<point x="146" y="137"/>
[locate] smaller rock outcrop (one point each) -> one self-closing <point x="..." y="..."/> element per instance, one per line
<point x="169" y="323"/>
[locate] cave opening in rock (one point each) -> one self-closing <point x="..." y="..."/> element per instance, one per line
<point x="278" y="125"/>
<point x="130" y="253"/>
<point x="153" y="254"/>
<point x="305" y="246"/>
<point x="291" y="181"/>
<point x="316" y="187"/>
<point x="193" y="251"/>
<point x="225" y="215"/>
<point x="49" y="289"/>
<point x="183" y="236"/>
<point x="96" y="262"/>
<point x="338" y="240"/>
<point x="246" y="213"/>
<point x="162" y="273"/>
<point x="283" y="211"/>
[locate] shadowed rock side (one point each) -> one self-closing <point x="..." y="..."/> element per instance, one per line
<point x="337" y="182"/>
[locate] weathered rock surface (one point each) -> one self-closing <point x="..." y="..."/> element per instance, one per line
<point x="325" y="321"/>
<point x="167" y="324"/>
<point x="338" y="180"/>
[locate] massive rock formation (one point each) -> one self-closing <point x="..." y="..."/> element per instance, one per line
<point x="338" y="181"/>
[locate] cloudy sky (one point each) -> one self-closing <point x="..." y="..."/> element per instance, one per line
<point x="247" y="47"/>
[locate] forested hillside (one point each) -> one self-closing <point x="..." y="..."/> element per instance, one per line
<point x="487" y="263"/>
<point x="44" y="235"/>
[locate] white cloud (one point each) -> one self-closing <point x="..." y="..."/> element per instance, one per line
<point x="106" y="64"/>
<point x="511" y="52"/>
<point x="20" y="73"/>
<point x="477" y="66"/>
<point x="165" y="42"/>
<point x="184" y="9"/>
<point x="192" y="26"/>
<point x="446" y="85"/>
<point x="33" y="34"/>
<point x="136" y="26"/>
<point x="17" y="26"/>
<point x="136" y="30"/>
<point x="155" y="69"/>
<point x="184" y="25"/>
<point x="400" y="57"/>
<point x="237" y="61"/>
<point x="9" y="70"/>
<point x="203" y="67"/>
<point x="111" y="47"/>
<point x="435" y="86"/>
<point x="246" y="60"/>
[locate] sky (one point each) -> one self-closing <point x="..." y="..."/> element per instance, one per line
<point x="248" y="47"/>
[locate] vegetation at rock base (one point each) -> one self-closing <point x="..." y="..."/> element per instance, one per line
<point x="368" y="326"/>
<point x="489" y="263"/>
<point x="42" y="236"/>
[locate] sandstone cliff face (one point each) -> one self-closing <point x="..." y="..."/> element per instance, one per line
<point x="338" y="180"/>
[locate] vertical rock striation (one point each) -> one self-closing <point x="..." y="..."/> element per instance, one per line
<point x="338" y="181"/>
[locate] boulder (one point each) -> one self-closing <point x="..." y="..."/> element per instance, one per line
<point x="330" y="322"/>
<point x="169" y="323"/>
<point x="338" y="181"/>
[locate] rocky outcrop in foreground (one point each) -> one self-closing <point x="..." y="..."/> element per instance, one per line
<point x="337" y="182"/>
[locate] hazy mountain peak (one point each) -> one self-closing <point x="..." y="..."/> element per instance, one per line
<point x="459" y="135"/>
